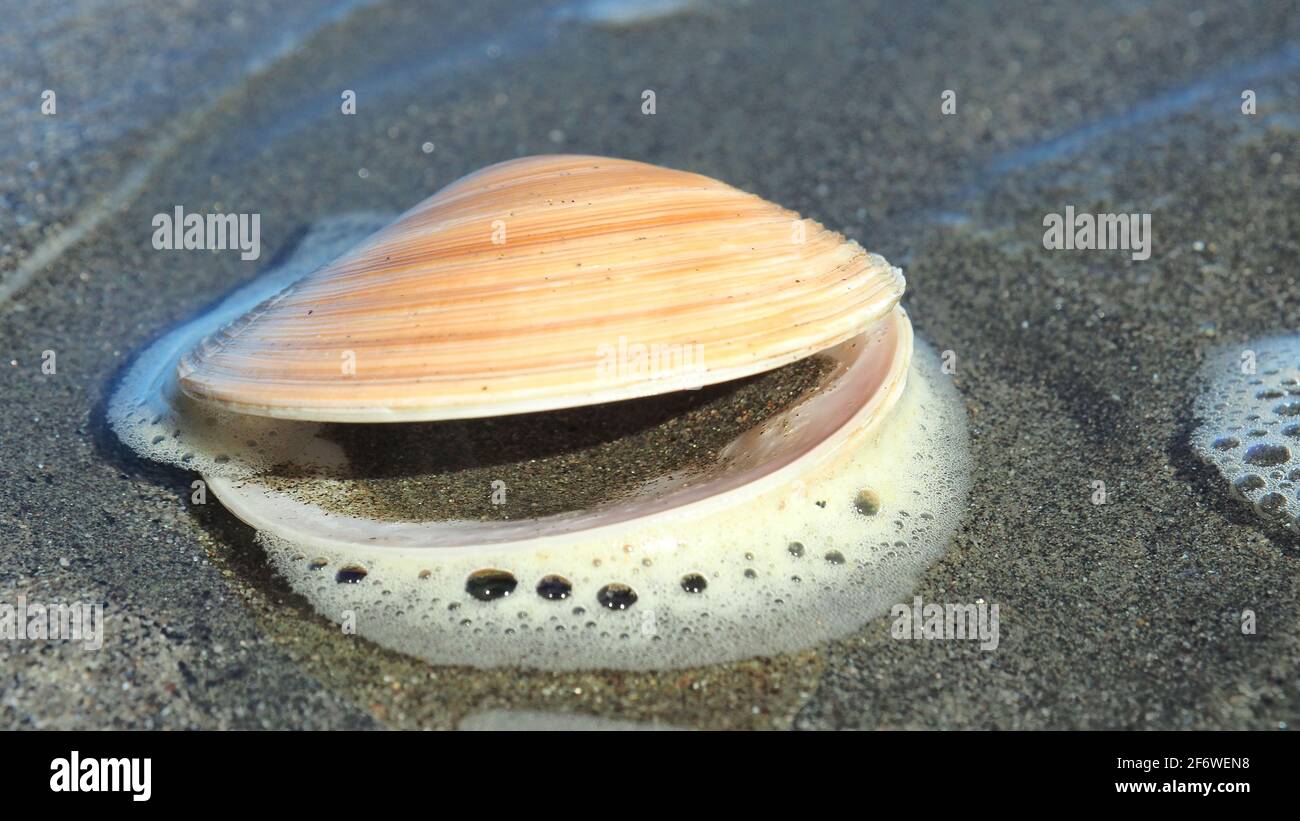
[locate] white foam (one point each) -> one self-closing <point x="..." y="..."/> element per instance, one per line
<point x="1250" y="424"/>
<point x="760" y="598"/>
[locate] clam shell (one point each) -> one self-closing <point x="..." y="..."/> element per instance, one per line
<point x="544" y="283"/>
<point x="808" y="441"/>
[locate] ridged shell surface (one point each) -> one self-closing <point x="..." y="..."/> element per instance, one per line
<point x="542" y="283"/>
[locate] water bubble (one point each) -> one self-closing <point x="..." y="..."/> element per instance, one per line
<point x="867" y="503"/>
<point x="694" y="583"/>
<point x="616" y="596"/>
<point x="351" y="574"/>
<point x="1272" y="503"/>
<point x="490" y="584"/>
<point x="554" y="588"/>
<point x="796" y="549"/>
<point x="1267" y="455"/>
<point x="1249" y="482"/>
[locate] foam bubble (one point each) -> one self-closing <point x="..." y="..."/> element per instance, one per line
<point x="1250" y="424"/>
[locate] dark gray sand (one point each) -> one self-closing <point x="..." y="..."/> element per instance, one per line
<point x="1076" y="367"/>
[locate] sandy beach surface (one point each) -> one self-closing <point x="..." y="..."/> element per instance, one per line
<point x="1075" y="367"/>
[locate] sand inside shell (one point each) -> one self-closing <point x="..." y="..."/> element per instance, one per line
<point x="540" y="464"/>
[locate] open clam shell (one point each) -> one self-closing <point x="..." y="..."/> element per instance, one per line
<point x="810" y="520"/>
<point x="521" y="288"/>
<point x="799" y="444"/>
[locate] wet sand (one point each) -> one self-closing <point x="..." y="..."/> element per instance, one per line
<point x="1075" y="366"/>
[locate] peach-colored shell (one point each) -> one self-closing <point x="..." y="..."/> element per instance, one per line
<point x="542" y="283"/>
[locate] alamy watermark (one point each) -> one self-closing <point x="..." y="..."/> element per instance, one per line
<point x="77" y="774"/>
<point x="951" y="622"/>
<point x="179" y="231"/>
<point x="35" y="621"/>
<point x="659" y="360"/>
<point x="1098" y="232"/>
